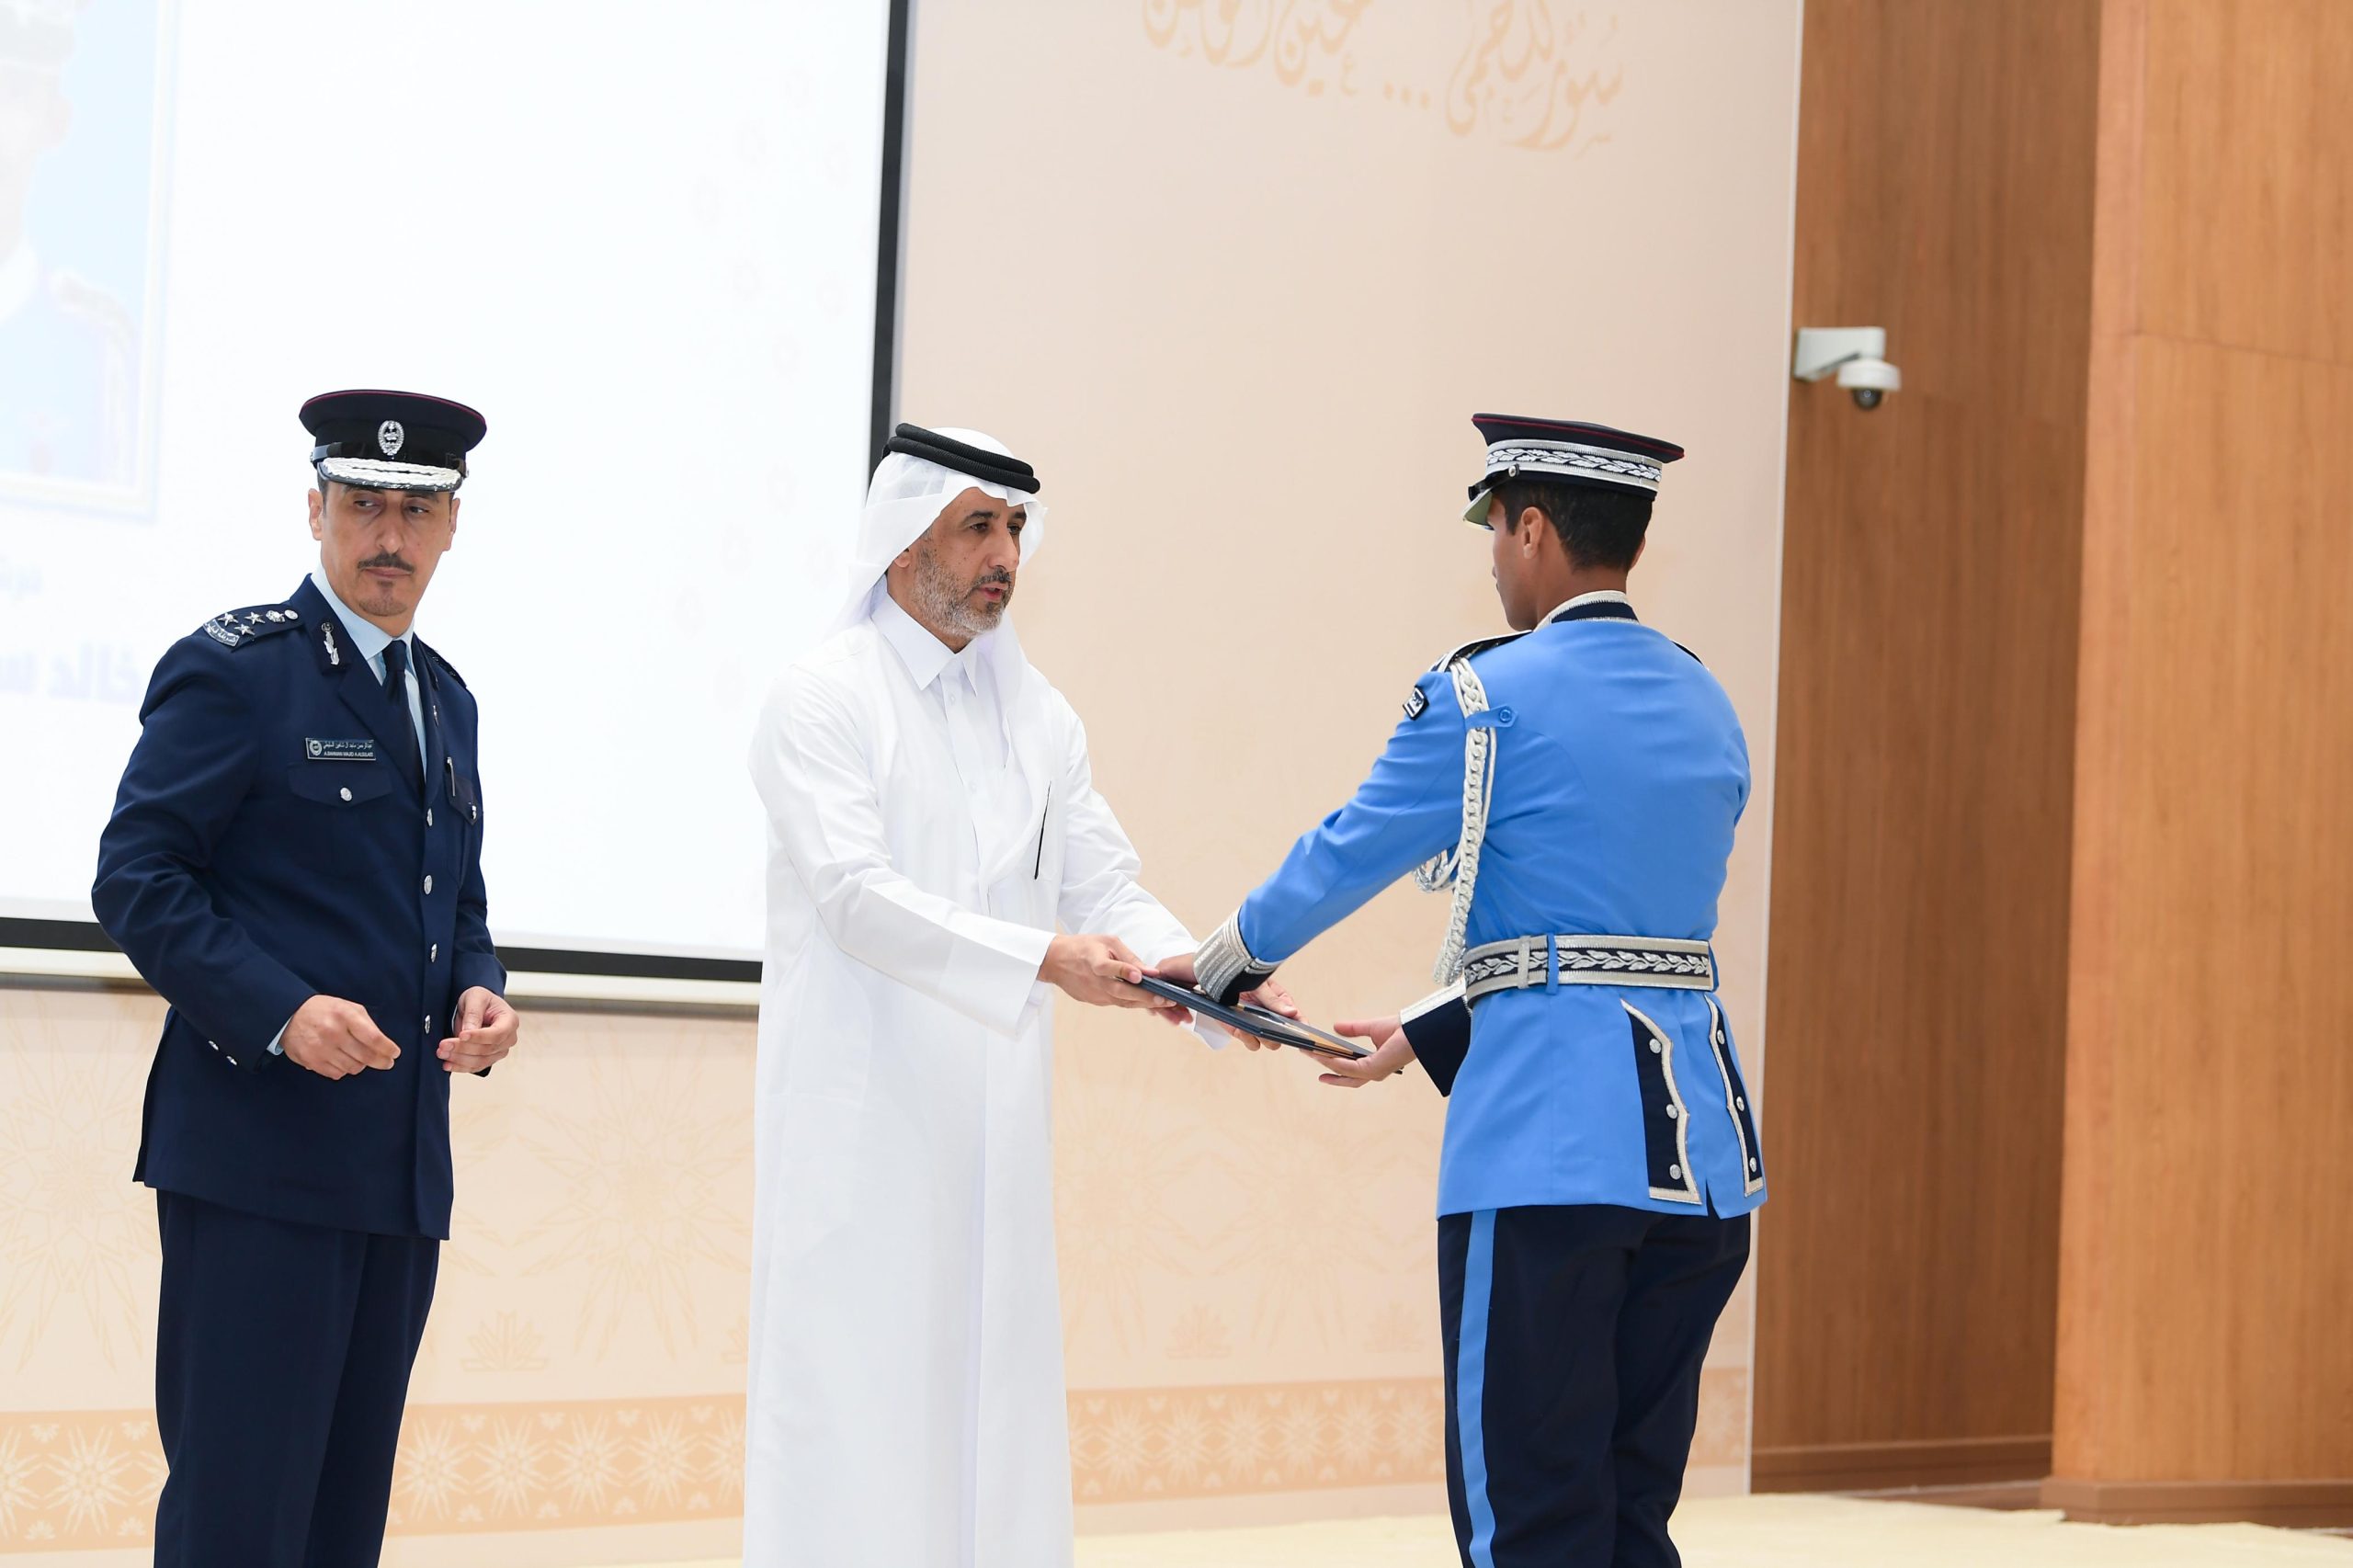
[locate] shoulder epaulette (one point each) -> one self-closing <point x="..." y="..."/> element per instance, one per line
<point x="1477" y="645"/>
<point x="234" y="628"/>
<point x="436" y="657"/>
<point x="1417" y="704"/>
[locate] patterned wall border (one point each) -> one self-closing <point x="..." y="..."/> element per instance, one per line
<point x="87" y="1480"/>
<point x="1147" y="1445"/>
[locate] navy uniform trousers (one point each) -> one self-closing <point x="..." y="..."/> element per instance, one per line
<point x="1573" y="1336"/>
<point x="310" y="1368"/>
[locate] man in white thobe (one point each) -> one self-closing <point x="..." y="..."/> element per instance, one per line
<point x="932" y="820"/>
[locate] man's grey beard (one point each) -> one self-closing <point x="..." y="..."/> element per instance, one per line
<point x="946" y="600"/>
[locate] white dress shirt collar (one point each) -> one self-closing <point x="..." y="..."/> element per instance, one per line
<point x="366" y="635"/>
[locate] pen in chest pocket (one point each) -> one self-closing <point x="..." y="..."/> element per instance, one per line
<point x="1044" y="817"/>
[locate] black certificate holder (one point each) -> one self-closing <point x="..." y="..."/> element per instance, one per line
<point x="1256" y="1020"/>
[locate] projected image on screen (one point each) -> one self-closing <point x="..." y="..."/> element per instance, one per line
<point x="79" y="263"/>
<point x="654" y="273"/>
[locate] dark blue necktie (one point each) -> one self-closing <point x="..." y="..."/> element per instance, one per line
<point x="396" y="688"/>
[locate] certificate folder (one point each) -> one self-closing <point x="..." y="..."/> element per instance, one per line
<point x="1256" y="1020"/>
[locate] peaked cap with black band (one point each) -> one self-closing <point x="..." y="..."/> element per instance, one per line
<point x="997" y="468"/>
<point x="391" y="440"/>
<point x="1565" y="452"/>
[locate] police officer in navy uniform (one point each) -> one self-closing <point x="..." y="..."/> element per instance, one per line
<point x="294" y="862"/>
<point x="1577" y="783"/>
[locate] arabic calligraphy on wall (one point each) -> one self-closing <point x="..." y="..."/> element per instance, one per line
<point x="1539" y="75"/>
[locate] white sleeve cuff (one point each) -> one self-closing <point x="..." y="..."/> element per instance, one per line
<point x="1431" y="1003"/>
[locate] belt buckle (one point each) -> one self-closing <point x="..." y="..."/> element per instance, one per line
<point x="1526" y="950"/>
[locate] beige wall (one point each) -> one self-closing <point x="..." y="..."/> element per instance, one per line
<point x="1237" y="290"/>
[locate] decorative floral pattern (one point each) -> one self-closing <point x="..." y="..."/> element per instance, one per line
<point x="645" y="1178"/>
<point x="1200" y="1334"/>
<point x="89" y="1479"/>
<point x="74" y="1247"/>
<point x="477" y="1467"/>
<point x="1137" y="1444"/>
<point x="1124" y="1172"/>
<point x="505" y="1343"/>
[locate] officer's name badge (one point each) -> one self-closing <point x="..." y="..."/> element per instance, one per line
<point x="340" y="751"/>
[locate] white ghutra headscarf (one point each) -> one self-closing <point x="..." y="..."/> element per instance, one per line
<point x="906" y="497"/>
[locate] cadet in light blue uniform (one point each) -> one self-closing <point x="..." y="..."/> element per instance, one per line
<point x="1577" y="783"/>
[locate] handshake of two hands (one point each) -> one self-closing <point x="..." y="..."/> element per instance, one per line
<point x="1102" y="970"/>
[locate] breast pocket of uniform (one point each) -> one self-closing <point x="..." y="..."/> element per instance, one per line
<point x="342" y="787"/>
<point x="464" y="797"/>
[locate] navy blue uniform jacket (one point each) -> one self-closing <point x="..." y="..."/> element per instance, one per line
<point x="269" y="844"/>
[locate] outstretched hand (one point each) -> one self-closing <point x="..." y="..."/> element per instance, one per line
<point x="1275" y="999"/>
<point x="1391" y="1051"/>
<point x="1101" y="970"/>
<point x="1271" y="996"/>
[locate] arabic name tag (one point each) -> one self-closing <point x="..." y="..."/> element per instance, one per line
<point x="340" y="751"/>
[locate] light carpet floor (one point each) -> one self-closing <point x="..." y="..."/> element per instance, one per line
<point x="1759" y="1532"/>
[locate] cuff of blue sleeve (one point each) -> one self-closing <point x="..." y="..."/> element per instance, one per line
<point x="1224" y="968"/>
<point x="1438" y="1029"/>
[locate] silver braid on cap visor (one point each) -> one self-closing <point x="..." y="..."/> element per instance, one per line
<point x="1459" y="865"/>
<point x="1224" y="969"/>
<point x="1511" y="458"/>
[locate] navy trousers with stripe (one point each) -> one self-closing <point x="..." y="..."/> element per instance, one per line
<point x="282" y="1357"/>
<point x="1574" y="1337"/>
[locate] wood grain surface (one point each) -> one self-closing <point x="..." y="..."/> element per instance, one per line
<point x="2204" y="1360"/>
<point x="1917" y="1009"/>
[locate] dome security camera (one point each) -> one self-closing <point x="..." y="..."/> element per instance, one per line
<point x="1858" y="355"/>
<point x="1870" y="380"/>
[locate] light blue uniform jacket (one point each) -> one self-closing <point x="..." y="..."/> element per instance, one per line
<point x="1620" y="773"/>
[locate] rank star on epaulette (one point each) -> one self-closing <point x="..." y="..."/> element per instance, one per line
<point x="234" y="628"/>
